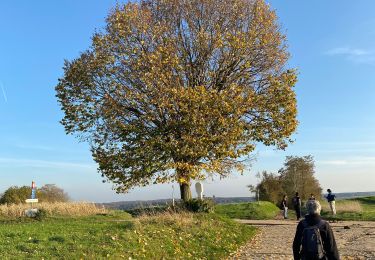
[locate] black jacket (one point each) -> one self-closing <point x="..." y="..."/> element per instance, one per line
<point x="284" y="204"/>
<point x="326" y="233"/>
<point x="296" y="202"/>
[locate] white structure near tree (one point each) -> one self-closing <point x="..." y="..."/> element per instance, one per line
<point x="199" y="190"/>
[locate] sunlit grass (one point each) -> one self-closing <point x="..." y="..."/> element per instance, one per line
<point x="250" y="210"/>
<point x="352" y="209"/>
<point x="116" y="235"/>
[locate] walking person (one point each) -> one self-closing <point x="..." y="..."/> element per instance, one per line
<point x="331" y="201"/>
<point x="314" y="238"/>
<point x="297" y="205"/>
<point x="284" y="206"/>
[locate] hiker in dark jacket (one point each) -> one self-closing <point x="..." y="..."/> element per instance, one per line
<point x="313" y="218"/>
<point x="297" y="205"/>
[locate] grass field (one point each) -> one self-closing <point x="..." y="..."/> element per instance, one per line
<point x="117" y="235"/>
<point x="362" y="209"/>
<point x="250" y="210"/>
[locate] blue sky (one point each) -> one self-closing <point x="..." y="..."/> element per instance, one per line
<point x="331" y="43"/>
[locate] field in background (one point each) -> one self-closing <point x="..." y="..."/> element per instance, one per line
<point x="250" y="210"/>
<point x="53" y="209"/>
<point x="352" y="209"/>
<point x="117" y="235"/>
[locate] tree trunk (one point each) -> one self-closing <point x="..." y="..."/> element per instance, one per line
<point x="185" y="191"/>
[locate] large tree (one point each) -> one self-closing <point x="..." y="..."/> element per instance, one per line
<point x="175" y="90"/>
<point x="52" y="193"/>
<point x="270" y="187"/>
<point x="297" y="175"/>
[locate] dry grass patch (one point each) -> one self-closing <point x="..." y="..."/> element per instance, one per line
<point x="53" y="209"/>
<point x="344" y="206"/>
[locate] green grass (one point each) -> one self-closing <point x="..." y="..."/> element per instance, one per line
<point x="367" y="213"/>
<point x="118" y="235"/>
<point x="250" y="210"/>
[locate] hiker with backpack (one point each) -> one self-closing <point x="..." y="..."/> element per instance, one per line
<point x="314" y="238"/>
<point x="331" y="201"/>
<point x="297" y="205"/>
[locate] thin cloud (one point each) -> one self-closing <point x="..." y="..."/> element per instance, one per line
<point x="44" y="163"/>
<point x="347" y="51"/>
<point x="354" y="161"/>
<point x="3" y="91"/>
<point x="353" y="54"/>
<point x="35" y="147"/>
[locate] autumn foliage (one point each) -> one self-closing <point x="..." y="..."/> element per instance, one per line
<point x="176" y="90"/>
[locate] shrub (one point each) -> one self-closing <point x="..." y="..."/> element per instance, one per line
<point x="15" y="195"/>
<point x="47" y="193"/>
<point x="152" y="210"/>
<point x="197" y="205"/>
<point x="41" y="214"/>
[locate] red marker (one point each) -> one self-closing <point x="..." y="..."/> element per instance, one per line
<point x="33" y="185"/>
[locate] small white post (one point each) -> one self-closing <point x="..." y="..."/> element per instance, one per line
<point x="199" y="190"/>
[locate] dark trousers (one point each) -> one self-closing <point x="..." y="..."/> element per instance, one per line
<point x="298" y="212"/>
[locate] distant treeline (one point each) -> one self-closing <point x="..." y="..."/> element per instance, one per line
<point x="349" y="195"/>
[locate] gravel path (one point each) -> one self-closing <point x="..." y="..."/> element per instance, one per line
<point x="355" y="240"/>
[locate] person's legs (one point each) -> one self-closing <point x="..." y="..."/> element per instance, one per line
<point x="298" y="213"/>
<point x="333" y="207"/>
<point x="285" y="213"/>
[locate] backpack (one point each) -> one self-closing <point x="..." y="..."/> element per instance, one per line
<point x="312" y="243"/>
<point x="296" y="202"/>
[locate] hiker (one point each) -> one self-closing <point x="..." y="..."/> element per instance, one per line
<point x="331" y="201"/>
<point x="297" y="205"/>
<point x="312" y="197"/>
<point x="284" y="206"/>
<point x="314" y="238"/>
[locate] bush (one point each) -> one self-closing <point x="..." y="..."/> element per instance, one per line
<point x="197" y="205"/>
<point x="15" y="195"/>
<point x="152" y="210"/>
<point x="47" y="193"/>
<point x="41" y="214"/>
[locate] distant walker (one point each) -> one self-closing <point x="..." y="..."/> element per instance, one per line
<point x="331" y="200"/>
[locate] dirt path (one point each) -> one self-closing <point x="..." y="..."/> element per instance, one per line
<point x="355" y="240"/>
